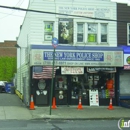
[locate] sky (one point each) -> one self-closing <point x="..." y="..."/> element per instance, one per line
<point x="10" y="20"/>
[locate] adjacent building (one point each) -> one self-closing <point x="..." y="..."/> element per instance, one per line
<point x="86" y="57"/>
<point x="7" y="48"/>
<point x="123" y="39"/>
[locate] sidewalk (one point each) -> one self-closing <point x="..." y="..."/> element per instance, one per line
<point x="11" y="107"/>
<point x="63" y="112"/>
<point x="88" y="112"/>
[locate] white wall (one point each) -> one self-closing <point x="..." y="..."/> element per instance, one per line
<point x="34" y="22"/>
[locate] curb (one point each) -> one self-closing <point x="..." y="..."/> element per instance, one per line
<point x="107" y="118"/>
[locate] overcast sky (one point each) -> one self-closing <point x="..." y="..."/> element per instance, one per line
<point x="10" y="20"/>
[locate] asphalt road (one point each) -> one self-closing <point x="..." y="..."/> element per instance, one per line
<point x="59" y="125"/>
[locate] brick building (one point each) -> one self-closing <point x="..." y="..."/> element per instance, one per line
<point x="7" y="48"/>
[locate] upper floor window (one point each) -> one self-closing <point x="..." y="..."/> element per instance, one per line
<point x="128" y="33"/>
<point x="103" y="32"/>
<point x="48" y="31"/>
<point x="80" y="32"/>
<point x="92" y="33"/>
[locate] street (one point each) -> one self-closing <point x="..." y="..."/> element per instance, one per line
<point x="58" y="124"/>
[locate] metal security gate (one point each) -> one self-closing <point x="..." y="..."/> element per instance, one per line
<point x="124" y="91"/>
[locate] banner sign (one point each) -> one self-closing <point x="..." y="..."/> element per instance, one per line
<point x="77" y="58"/>
<point x="65" y="31"/>
<point x="90" y="11"/>
<point x="72" y="70"/>
<point x="127" y="61"/>
<point x="97" y="69"/>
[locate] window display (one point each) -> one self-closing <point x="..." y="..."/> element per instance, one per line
<point x="48" y="31"/>
<point x="61" y="90"/>
<point x="103" y="82"/>
<point x="97" y="86"/>
<point x="79" y="87"/>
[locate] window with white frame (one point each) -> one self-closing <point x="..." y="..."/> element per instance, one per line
<point x="80" y="32"/>
<point x="96" y="33"/>
<point x="103" y="33"/>
<point x="128" y="33"/>
<point x="92" y="32"/>
<point x="48" y="31"/>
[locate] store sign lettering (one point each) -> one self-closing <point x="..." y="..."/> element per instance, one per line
<point x="74" y="56"/>
<point x="90" y="11"/>
<point x="72" y="70"/>
<point x="78" y="58"/>
<point x="97" y="69"/>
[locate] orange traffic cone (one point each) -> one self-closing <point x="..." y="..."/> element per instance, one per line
<point x="32" y="103"/>
<point x="54" y="103"/>
<point x="110" y="105"/>
<point x="80" y="104"/>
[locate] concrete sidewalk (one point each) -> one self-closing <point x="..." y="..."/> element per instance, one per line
<point x="63" y="112"/>
<point x="11" y="107"/>
<point x="15" y="112"/>
<point x="87" y="112"/>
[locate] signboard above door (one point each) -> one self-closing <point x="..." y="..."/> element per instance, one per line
<point x="102" y="69"/>
<point x="77" y="58"/>
<point x="72" y="70"/>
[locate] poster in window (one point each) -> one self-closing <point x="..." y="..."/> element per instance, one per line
<point x="65" y="31"/>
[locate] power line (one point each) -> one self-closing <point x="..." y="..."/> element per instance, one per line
<point x="12" y="11"/>
<point x="44" y="12"/>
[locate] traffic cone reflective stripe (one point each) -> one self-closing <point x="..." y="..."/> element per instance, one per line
<point x="80" y="104"/>
<point x="32" y="103"/>
<point x="54" y="103"/>
<point x="110" y="105"/>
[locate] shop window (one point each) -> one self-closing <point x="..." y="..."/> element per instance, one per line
<point x="92" y="33"/>
<point x="96" y="81"/>
<point x="103" y="33"/>
<point x="80" y="32"/>
<point x="128" y="33"/>
<point x="48" y="31"/>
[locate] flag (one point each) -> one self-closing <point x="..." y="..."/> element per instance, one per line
<point x="43" y="72"/>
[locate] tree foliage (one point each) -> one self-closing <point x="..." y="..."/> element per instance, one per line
<point x="7" y="68"/>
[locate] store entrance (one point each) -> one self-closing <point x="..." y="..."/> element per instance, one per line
<point x="61" y="90"/>
<point x="68" y="88"/>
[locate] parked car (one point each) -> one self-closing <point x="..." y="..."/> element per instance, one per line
<point x="2" y="86"/>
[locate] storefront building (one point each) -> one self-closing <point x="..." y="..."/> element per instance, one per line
<point x="76" y="72"/>
<point x="86" y="57"/>
<point x="124" y="79"/>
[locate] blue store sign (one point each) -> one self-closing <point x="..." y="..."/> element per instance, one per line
<point x="74" y="56"/>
